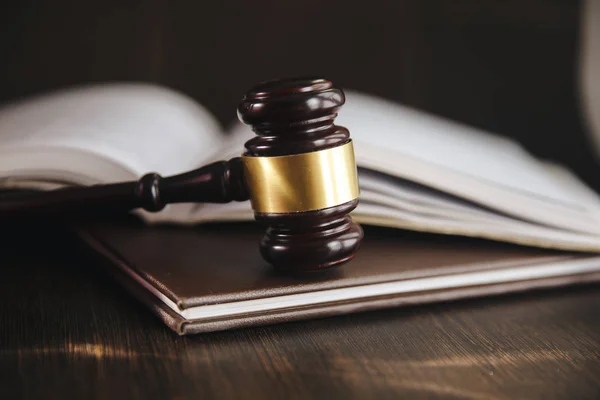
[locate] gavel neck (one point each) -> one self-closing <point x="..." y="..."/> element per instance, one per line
<point x="219" y="182"/>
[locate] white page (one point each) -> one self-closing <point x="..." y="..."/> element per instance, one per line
<point x="519" y="233"/>
<point x="105" y="133"/>
<point x="404" y="190"/>
<point x="462" y="161"/>
<point x="447" y="144"/>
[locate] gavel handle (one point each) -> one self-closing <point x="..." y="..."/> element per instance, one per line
<point x="220" y="182"/>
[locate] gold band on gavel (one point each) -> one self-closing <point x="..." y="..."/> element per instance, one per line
<point x="302" y="182"/>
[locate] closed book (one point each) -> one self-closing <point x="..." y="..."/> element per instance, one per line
<point x="211" y="277"/>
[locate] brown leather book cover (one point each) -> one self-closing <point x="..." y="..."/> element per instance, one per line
<point x="212" y="277"/>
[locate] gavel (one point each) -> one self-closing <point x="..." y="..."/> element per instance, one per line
<point x="298" y="172"/>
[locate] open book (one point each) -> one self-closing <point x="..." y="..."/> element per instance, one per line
<point x="416" y="171"/>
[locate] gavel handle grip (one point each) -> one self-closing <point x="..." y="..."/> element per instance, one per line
<point x="219" y="182"/>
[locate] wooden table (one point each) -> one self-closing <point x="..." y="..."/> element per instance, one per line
<point x="67" y="330"/>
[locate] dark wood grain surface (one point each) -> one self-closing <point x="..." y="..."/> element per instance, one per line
<point x="68" y="331"/>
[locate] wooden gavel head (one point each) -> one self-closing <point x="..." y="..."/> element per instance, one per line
<point x="301" y="174"/>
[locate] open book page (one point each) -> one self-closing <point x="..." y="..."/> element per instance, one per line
<point x="103" y="134"/>
<point x="462" y="161"/>
<point x="572" y="184"/>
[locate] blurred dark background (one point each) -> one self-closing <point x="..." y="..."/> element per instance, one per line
<point x="509" y="67"/>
